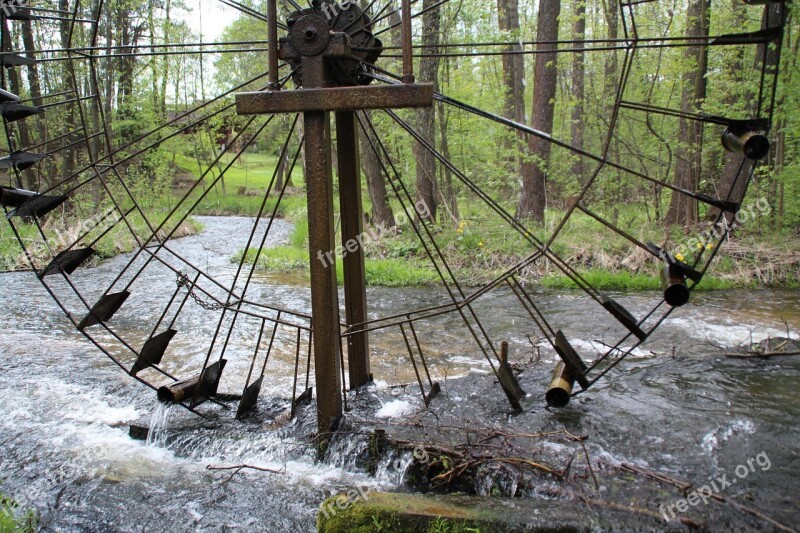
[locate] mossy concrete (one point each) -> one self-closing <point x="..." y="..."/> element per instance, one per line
<point x="399" y="513"/>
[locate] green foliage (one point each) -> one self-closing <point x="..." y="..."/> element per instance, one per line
<point x="625" y="281"/>
<point x="148" y="91"/>
<point x="380" y="272"/>
<point x="15" y="520"/>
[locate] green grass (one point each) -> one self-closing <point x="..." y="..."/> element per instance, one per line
<point x="379" y="272"/>
<point x="626" y="281"/>
<point x="478" y="249"/>
<point x="15" y="520"/>
<point x="251" y="171"/>
<point x="62" y="232"/>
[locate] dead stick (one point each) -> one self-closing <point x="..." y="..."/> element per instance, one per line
<point x="519" y="460"/>
<point x="767" y="355"/>
<point x="620" y="507"/>
<point x="754" y="512"/>
<point x="682" y="485"/>
<point x="244" y="467"/>
<point x="589" y="463"/>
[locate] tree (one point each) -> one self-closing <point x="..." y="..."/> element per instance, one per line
<point x="579" y="85"/>
<point x="426" y="119"/>
<point x="382" y="215"/>
<point x="513" y="71"/>
<point x="733" y="182"/>
<point x="513" y="61"/>
<point x="688" y="167"/>
<point x="534" y="170"/>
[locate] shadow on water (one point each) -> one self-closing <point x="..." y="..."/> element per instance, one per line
<point x="677" y="406"/>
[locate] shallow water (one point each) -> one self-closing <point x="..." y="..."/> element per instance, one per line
<point x="676" y="406"/>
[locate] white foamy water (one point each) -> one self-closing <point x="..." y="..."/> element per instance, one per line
<point x="395" y="409"/>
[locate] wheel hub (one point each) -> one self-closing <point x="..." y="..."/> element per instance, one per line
<point x="344" y="36"/>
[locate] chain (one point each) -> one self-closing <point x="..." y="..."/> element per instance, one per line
<point x="184" y="281"/>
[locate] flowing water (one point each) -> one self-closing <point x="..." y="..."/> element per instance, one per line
<point x="677" y="406"/>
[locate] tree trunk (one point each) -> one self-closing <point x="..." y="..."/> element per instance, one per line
<point x="688" y="167"/>
<point x="579" y="87"/>
<point x="68" y="84"/>
<point x="426" y="119"/>
<point x="513" y="63"/>
<point x="513" y="70"/>
<point x="396" y="33"/>
<point x="534" y="171"/>
<point x="34" y="83"/>
<point x="382" y="215"/>
<point x="448" y="191"/>
<point x="611" y="84"/>
<point x="22" y="137"/>
<point x="734" y="182"/>
<point x="165" y="61"/>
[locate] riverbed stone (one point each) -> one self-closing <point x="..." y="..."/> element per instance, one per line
<point x="414" y="513"/>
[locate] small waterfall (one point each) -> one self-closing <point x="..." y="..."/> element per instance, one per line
<point x="392" y="468"/>
<point x="159" y="423"/>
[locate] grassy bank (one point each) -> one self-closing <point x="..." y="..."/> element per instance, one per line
<point x="478" y="249"/>
<point x="62" y="231"/>
<point x="478" y="252"/>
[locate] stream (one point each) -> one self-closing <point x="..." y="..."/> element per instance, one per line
<point x="678" y="405"/>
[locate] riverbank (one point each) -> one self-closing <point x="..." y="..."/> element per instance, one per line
<point x="62" y="232"/>
<point x="476" y="250"/>
<point x="477" y="254"/>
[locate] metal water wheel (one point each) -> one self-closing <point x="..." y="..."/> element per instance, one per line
<point x="327" y="60"/>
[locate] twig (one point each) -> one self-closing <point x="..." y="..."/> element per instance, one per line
<point x="620" y="507"/>
<point x="239" y="468"/>
<point x="519" y="460"/>
<point x="754" y="512"/>
<point x="447" y="477"/>
<point x="589" y="464"/>
<point x="684" y="486"/>
<point x="756" y="355"/>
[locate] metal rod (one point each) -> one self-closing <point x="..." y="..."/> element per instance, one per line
<point x="296" y="372"/>
<point x="413" y="361"/>
<point x="407" y="35"/>
<point x="272" y="38"/>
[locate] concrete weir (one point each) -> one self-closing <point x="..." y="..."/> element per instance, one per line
<point x="356" y="512"/>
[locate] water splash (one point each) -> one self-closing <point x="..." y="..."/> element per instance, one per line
<point x="159" y="424"/>
<point x="392" y="469"/>
<point x="715" y="438"/>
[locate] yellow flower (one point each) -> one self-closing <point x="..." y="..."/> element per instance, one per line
<point x="709" y="246"/>
<point x="699" y="246"/>
<point x="680" y="257"/>
<point x="480" y="243"/>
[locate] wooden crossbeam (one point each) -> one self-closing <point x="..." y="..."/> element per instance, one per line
<point x="336" y="99"/>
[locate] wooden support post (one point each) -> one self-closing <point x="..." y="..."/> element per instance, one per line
<point x="352" y="215"/>
<point x="407" y="36"/>
<point x="324" y="293"/>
